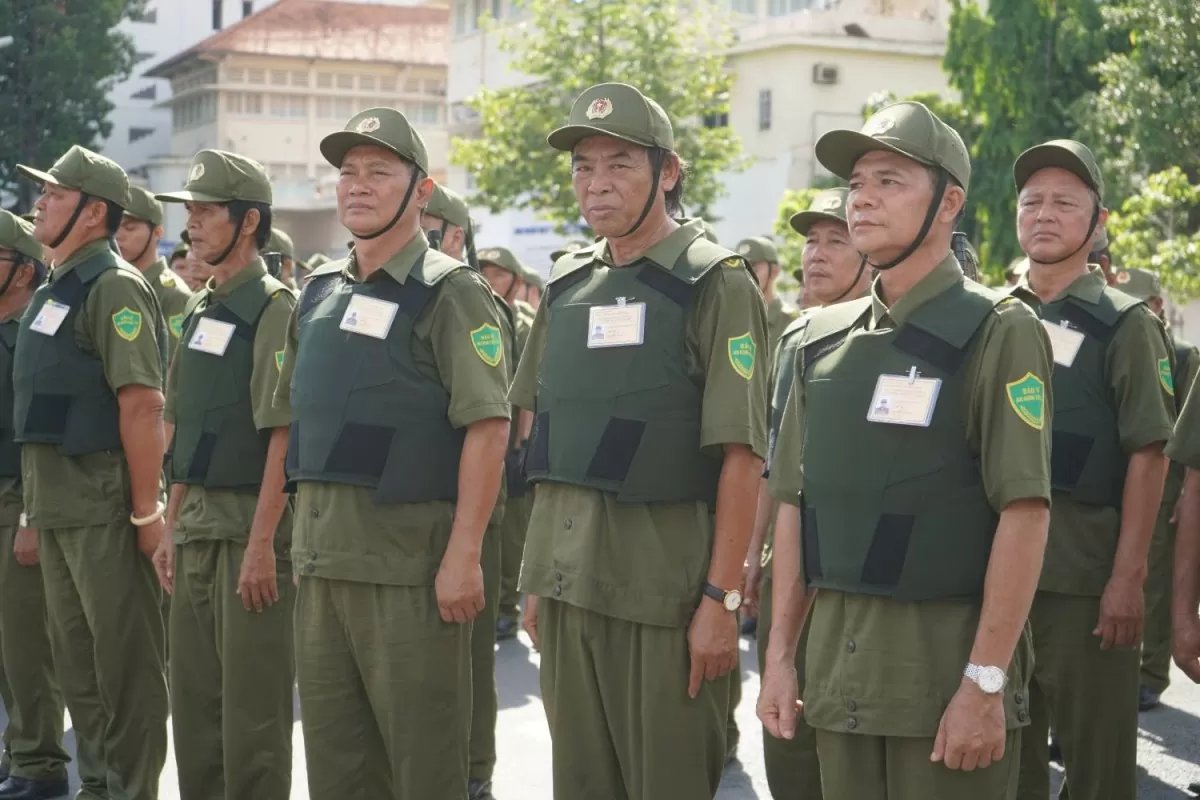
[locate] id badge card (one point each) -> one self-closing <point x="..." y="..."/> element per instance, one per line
<point x="369" y="316"/>
<point x="211" y="336"/>
<point x="904" y="400"/>
<point x="622" y="325"/>
<point x="1064" y="341"/>
<point x="50" y="318"/>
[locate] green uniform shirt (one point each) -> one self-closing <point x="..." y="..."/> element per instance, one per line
<point x="635" y="561"/>
<point x="93" y="489"/>
<point x="173" y="296"/>
<point x="220" y="513"/>
<point x="1083" y="538"/>
<point x="1183" y="390"/>
<point x="779" y="317"/>
<point x="11" y="503"/>
<point x="1184" y="445"/>
<point x="339" y="532"/>
<point x="891" y="666"/>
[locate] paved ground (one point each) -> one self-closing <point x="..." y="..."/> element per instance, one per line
<point x="1169" y="747"/>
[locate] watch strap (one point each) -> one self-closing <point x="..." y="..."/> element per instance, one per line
<point x="715" y="592"/>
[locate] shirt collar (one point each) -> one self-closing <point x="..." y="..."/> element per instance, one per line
<point x="1088" y="287"/>
<point x="399" y="266"/>
<point x="155" y="270"/>
<point x="78" y="257"/>
<point x="945" y="275"/>
<point x="665" y="253"/>
<point x="255" y="269"/>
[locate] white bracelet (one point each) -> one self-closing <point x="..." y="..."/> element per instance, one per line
<point x="158" y="514"/>
<point x="24" y="520"/>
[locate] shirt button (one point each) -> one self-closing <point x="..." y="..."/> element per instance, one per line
<point x="309" y="569"/>
<point x="567" y="524"/>
<point x="851" y="723"/>
<point x="851" y="646"/>
<point x="314" y="513"/>
<point x="1019" y="698"/>
<point x="851" y="706"/>
<point x="558" y="591"/>
<point x="558" y="577"/>
<point x="1022" y="716"/>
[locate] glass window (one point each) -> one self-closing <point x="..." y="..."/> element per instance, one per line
<point x="366" y="83"/>
<point x="743" y="6"/>
<point x="387" y="83"/>
<point x="345" y="80"/>
<point x="299" y="78"/>
<point x="764" y="110"/>
<point x="325" y="108"/>
<point x="779" y="8"/>
<point x="324" y="80"/>
<point x="235" y="74"/>
<point x="279" y="77"/>
<point x="279" y="105"/>
<point x="254" y="75"/>
<point x="412" y="86"/>
<point x="343" y="107"/>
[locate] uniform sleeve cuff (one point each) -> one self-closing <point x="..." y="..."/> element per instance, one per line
<point x="1011" y="492"/>
<point x="733" y="434"/>
<point x="461" y="419"/>
<point x="1141" y="439"/>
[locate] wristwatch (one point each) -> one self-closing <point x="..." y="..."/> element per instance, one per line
<point x="991" y="680"/>
<point x="732" y="600"/>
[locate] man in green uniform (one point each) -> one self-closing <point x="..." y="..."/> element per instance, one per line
<point x="280" y="242"/>
<point x="87" y="378"/>
<point x="764" y="261"/>
<point x="34" y="762"/>
<point x="914" y="449"/>
<point x="1114" y="397"/>
<point x="138" y="240"/>
<point x="446" y="220"/>
<point x="834" y="272"/>
<point x="227" y="562"/>
<point x="642" y="369"/>
<point x="1156" y="637"/>
<point x="178" y="257"/>
<point x="396" y="374"/>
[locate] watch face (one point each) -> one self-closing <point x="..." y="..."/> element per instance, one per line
<point x="991" y="680"/>
<point x="733" y="600"/>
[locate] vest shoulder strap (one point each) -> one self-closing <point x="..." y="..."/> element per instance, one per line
<point x="194" y="302"/>
<point x="1109" y="308"/>
<point x="831" y="321"/>
<point x="795" y="328"/>
<point x="955" y="314"/>
<point x="98" y="264"/>
<point x="434" y="266"/>
<point x="701" y="256"/>
<point x="250" y="299"/>
<point x="570" y="262"/>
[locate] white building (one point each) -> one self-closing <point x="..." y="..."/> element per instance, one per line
<point x="800" y="67"/>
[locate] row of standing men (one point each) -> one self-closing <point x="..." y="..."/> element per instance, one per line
<point x="340" y="463"/>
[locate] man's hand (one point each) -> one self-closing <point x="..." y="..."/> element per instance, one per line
<point x="1186" y="647"/>
<point x="1122" y="610"/>
<point x="149" y="536"/>
<point x="459" y="588"/>
<point x="529" y="620"/>
<point x="778" y="704"/>
<point x="712" y="643"/>
<point x="752" y="574"/>
<point x="256" y="583"/>
<point x="971" y="733"/>
<point x="25" y="548"/>
<point x="164" y="564"/>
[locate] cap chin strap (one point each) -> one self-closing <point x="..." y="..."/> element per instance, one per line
<point x="657" y="154"/>
<point x="13" y="268"/>
<point x="412" y="185"/>
<point x="938" y="193"/>
<point x="138" y="257"/>
<point x="66" y="231"/>
<point x="472" y="257"/>
<point x="237" y="229"/>
<point x="1087" y="240"/>
<point x="857" y="276"/>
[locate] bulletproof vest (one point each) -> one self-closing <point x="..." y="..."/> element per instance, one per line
<point x="216" y="442"/>
<point x="1087" y="462"/>
<point x="888" y="509"/>
<point x="362" y="412"/>
<point x="1183" y="357"/>
<point x="10" y="451"/>
<point x="789" y="342"/>
<point x="61" y="396"/>
<point x="624" y="419"/>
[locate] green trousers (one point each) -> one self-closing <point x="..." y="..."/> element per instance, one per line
<point x="104" y="605"/>
<point x="484" y="701"/>
<point x="385" y="692"/>
<point x="793" y="770"/>
<point x="512" y="549"/>
<point x="28" y="684"/>
<point x="1156" y="635"/>
<point x="622" y="726"/>
<point x="1088" y="695"/>
<point x="859" y="767"/>
<point x="232" y="673"/>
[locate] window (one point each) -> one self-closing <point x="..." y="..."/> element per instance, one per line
<point x="325" y="108"/>
<point x="366" y="83"/>
<point x="297" y="107"/>
<point x="279" y="105"/>
<point x="460" y="13"/>
<point x="743" y="6"/>
<point x="298" y="172"/>
<point x="299" y="78"/>
<point x="324" y="80"/>
<point x="343" y="108"/>
<point x="387" y="83"/>
<point x="279" y="77"/>
<point x="497" y="9"/>
<point x="255" y="75"/>
<point x="216" y="15"/>
<point x="426" y="113"/>
<point x="412" y="86"/>
<point x="192" y="111"/>
<point x="235" y="74"/>
<point x="139" y="133"/>
<point x="717" y="120"/>
<point x="764" y="110"/>
<point x="779" y="8"/>
<point x="149" y="93"/>
<point x="345" y="80"/>
<point x="435" y="88"/>
<point x="247" y="104"/>
<point x="247" y="8"/>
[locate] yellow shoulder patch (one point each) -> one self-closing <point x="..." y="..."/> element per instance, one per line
<point x="1027" y="396"/>
<point x="487" y="343"/>
<point x="742" y="351"/>
<point x="733" y="263"/>
<point x="127" y="323"/>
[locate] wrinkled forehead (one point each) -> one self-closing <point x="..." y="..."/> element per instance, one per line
<point x="883" y="161"/>
<point x="1055" y="180"/>
<point x="601" y="147"/>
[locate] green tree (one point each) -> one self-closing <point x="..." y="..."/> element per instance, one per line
<point x="1152" y="231"/>
<point x="54" y="80"/>
<point x="673" y="54"/>
<point x="1020" y="68"/>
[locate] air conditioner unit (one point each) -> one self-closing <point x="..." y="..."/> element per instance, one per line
<point x="826" y="74"/>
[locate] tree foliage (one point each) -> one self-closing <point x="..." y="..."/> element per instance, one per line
<point x="674" y="54"/>
<point x="54" y="80"/>
<point x="1152" y="231"/>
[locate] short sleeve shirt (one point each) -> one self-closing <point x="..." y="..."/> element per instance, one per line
<point x="636" y="561"/>
<point x="221" y="513"/>
<point x="1083" y="539"/>
<point x="901" y="663"/>
<point x="173" y="296"/>
<point x="340" y="533"/>
<point x="119" y="325"/>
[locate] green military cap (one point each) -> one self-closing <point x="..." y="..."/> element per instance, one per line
<point x="757" y="249"/>
<point x="17" y="234"/>
<point x="382" y="127"/>
<point x="144" y="206"/>
<point x="84" y="171"/>
<point x="618" y="110"/>
<point x="503" y="258"/>
<point x="318" y="259"/>
<point x="1066" y="154"/>
<point x="534" y="278"/>
<point x="280" y="242"/>
<point x="907" y="128"/>
<point x="217" y="176"/>
<point x="181" y="249"/>
<point x="448" y="206"/>
<point x="569" y="247"/>
<point x="827" y="205"/>
<point x="1139" y="283"/>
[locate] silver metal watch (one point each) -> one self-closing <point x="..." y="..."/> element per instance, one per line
<point x="991" y="680"/>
